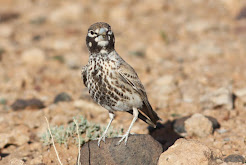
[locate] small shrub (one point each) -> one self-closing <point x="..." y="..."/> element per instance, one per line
<point x="87" y="131"/>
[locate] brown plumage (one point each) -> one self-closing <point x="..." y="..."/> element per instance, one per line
<point x="113" y="83"/>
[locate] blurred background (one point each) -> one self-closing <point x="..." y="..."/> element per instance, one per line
<point x="190" y="56"/>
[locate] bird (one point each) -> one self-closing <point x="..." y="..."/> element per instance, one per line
<point x="112" y="82"/>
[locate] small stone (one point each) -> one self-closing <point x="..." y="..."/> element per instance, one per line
<point x="4" y="139"/>
<point x="186" y="152"/>
<point x="221" y="131"/>
<point x="235" y="158"/>
<point x="8" y="16"/>
<point x="198" y="125"/>
<point x="29" y="103"/>
<point x="33" y="57"/>
<point x="222" y="97"/>
<point x="164" y="134"/>
<point x="16" y="161"/>
<point x="179" y="124"/>
<point x="241" y="14"/>
<point x="140" y="149"/>
<point x="62" y="97"/>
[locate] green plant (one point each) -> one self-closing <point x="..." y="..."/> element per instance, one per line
<point x="87" y="131"/>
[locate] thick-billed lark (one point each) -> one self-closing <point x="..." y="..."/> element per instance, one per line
<point x="112" y="82"/>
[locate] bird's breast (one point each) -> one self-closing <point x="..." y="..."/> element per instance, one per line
<point x="107" y="89"/>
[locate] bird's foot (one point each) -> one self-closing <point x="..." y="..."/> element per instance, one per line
<point x="125" y="136"/>
<point x="102" y="138"/>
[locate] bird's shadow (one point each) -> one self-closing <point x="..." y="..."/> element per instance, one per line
<point x="164" y="134"/>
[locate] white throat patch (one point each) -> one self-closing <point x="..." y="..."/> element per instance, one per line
<point x="104" y="51"/>
<point x="103" y="43"/>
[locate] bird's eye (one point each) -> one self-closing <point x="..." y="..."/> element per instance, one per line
<point x="92" y="33"/>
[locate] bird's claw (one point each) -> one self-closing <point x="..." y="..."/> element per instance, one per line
<point x="102" y="138"/>
<point x="122" y="138"/>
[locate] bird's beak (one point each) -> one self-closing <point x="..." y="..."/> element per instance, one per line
<point x="102" y="31"/>
<point x="102" y="34"/>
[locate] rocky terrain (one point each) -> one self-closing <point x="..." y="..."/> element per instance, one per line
<point x="190" y="56"/>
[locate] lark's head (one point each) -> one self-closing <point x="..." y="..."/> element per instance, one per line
<point x="100" y="38"/>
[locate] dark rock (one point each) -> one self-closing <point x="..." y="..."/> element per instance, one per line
<point x="140" y="149"/>
<point x="241" y="14"/>
<point x="214" y="121"/>
<point x="235" y="158"/>
<point x="62" y="97"/>
<point x="29" y="103"/>
<point x="164" y="134"/>
<point x="8" y="16"/>
<point x="178" y="124"/>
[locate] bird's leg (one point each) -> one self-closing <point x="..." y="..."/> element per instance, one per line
<point x="111" y="116"/>
<point x="135" y="117"/>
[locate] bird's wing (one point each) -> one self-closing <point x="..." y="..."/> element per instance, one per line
<point x="84" y="74"/>
<point x="129" y="75"/>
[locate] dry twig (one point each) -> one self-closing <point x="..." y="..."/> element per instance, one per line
<point x="77" y="128"/>
<point x="53" y="141"/>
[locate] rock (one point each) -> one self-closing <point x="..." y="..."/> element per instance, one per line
<point x="8" y="16"/>
<point x="178" y="124"/>
<point x="241" y="14"/>
<point x="198" y="125"/>
<point x="33" y="57"/>
<point x="140" y="149"/>
<point x="222" y="97"/>
<point x="66" y="13"/>
<point x="179" y="127"/>
<point x="4" y="139"/>
<point x="241" y="97"/>
<point x="235" y="158"/>
<point x="18" y="136"/>
<point x="29" y="103"/>
<point x="62" y="97"/>
<point x="16" y="161"/>
<point x="164" y="134"/>
<point x="186" y="152"/>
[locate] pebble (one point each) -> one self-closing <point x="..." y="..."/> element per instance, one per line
<point x="186" y="152"/>
<point x="62" y="97"/>
<point x="221" y="97"/>
<point x="235" y="158"/>
<point x="198" y="125"/>
<point x="34" y="103"/>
